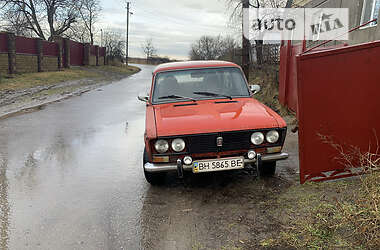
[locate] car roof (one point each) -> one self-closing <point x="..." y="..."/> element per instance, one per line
<point x="192" y="64"/>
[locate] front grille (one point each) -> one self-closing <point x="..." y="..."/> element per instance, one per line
<point x="198" y="144"/>
<point x="207" y="143"/>
<point x="233" y="140"/>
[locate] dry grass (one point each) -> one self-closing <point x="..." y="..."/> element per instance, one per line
<point x="267" y="77"/>
<point x="122" y="69"/>
<point x="29" y="80"/>
<point x="340" y="214"/>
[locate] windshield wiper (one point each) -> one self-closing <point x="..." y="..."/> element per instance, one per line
<point x="212" y="94"/>
<point x="177" y="97"/>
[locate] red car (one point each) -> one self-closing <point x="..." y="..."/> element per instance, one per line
<point x="201" y="117"/>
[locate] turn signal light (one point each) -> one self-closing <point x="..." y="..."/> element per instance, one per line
<point x="161" y="159"/>
<point x="274" y="150"/>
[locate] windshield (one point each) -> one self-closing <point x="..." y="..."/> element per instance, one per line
<point x="198" y="84"/>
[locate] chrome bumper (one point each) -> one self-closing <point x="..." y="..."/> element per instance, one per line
<point x="167" y="167"/>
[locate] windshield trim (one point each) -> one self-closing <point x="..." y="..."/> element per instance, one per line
<point x="200" y="99"/>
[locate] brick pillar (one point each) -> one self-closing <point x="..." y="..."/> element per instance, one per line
<point x="105" y="56"/>
<point x="11" y="53"/>
<point x="66" y="50"/>
<point x="86" y="56"/>
<point x="59" y="41"/>
<point x="60" y="58"/>
<point x="97" y="55"/>
<point x="40" y="55"/>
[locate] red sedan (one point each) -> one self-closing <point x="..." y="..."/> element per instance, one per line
<point x="201" y="117"/>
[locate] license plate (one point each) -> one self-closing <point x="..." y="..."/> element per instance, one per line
<point x="218" y="165"/>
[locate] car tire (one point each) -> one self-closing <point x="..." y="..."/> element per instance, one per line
<point x="268" y="168"/>
<point x="154" y="179"/>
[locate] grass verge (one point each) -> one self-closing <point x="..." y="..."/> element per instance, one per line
<point x="342" y="214"/>
<point x="29" y="80"/>
<point x="120" y="69"/>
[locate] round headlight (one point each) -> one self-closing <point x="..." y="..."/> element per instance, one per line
<point x="178" y="145"/>
<point x="257" y="138"/>
<point x="272" y="136"/>
<point x="161" y="146"/>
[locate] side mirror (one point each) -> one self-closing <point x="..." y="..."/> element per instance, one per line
<point x="143" y="98"/>
<point x="255" y="88"/>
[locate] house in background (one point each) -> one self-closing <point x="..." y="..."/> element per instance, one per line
<point x="360" y="12"/>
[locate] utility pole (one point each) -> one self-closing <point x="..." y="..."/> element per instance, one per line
<point x="127" y="42"/>
<point x="101" y="37"/>
<point x="246" y="43"/>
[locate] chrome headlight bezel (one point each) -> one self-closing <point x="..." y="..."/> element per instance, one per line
<point x="161" y="146"/>
<point x="272" y="136"/>
<point x="178" y="142"/>
<point x="257" y="138"/>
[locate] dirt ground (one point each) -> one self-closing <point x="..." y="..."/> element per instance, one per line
<point x="227" y="210"/>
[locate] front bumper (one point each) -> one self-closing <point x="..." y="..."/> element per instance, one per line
<point x="168" y="167"/>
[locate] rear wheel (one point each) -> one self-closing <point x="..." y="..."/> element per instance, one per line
<point x="153" y="178"/>
<point x="268" y="168"/>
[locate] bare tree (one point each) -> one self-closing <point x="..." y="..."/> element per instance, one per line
<point x="148" y="48"/>
<point x="77" y="32"/>
<point x="212" y="48"/>
<point x="16" y="23"/>
<point x="115" y="45"/>
<point x="88" y="12"/>
<point x="56" y="15"/>
<point x="236" y="16"/>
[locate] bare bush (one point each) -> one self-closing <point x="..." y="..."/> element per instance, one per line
<point x="148" y="48"/>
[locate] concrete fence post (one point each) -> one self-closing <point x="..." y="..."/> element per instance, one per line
<point x="11" y="53"/>
<point x="97" y="55"/>
<point x="59" y="41"/>
<point x="66" y="51"/>
<point x="40" y="54"/>
<point x="86" y="57"/>
<point x="60" y="59"/>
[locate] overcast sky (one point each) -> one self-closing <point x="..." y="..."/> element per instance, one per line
<point x="172" y="24"/>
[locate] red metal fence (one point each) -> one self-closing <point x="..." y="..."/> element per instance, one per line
<point x="288" y="75"/>
<point x="92" y="50"/>
<point x="49" y="48"/>
<point x="30" y="46"/>
<point x="26" y="45"/>
<point x="76" y="53"/>
<point x="338" y="94"/>
<point x="3" y="42"/>
<point x="102" y="51"/>
<point x="288" y="95"/>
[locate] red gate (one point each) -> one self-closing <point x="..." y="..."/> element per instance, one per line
<point x="338" y="98"/>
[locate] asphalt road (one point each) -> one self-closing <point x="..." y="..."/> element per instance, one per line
<point x="71" y="178"/>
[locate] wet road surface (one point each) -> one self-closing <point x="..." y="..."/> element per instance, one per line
<point x="71" y="178"/>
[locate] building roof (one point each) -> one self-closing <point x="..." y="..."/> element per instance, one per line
<point x="192" y="64"/>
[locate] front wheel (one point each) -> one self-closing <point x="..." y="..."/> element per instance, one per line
<point x="268" y="168"/>
<point x="153" y="178"/>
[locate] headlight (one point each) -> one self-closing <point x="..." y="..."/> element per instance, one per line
<point x="257" y="138"/>
<point x="178" y="145"/>
<point x="161" y="146"/>
<point x="272" y="136"/>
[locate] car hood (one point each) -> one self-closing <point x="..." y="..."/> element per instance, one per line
<point x="209" y="116"/>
